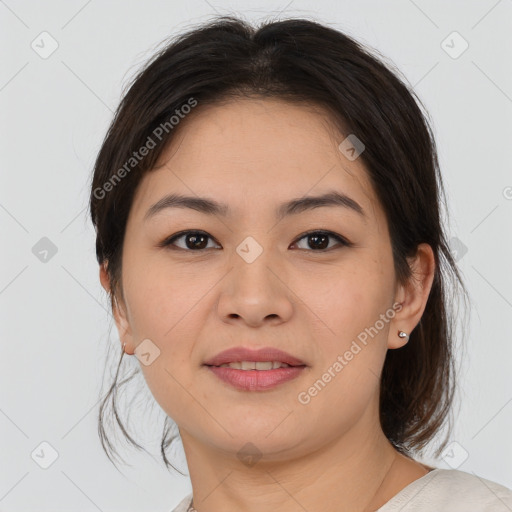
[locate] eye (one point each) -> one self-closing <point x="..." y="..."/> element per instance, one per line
<point x="196" y="241"/>
<point x="319" y="240"/>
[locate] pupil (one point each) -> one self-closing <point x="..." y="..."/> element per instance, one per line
<point x="194" y="239"/>
<point x="316" y="237"/>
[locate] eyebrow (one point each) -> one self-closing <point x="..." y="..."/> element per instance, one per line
<point x="292" y="207"/>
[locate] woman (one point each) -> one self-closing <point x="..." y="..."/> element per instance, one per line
<point x="267" y="209"/>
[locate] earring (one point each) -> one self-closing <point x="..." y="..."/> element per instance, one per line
<point x="402" y="334"/>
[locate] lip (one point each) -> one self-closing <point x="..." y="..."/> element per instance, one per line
<point x="256" y="380"/>
<point x="237" y="354"/>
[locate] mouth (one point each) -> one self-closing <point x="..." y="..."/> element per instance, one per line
<point x="255" y="370"/>
<point x="263" y="359"/>
<point x="255" y="380"/>
<point x="256" y="365"/>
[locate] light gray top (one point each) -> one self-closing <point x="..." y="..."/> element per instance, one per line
<point x="440" y="490"/>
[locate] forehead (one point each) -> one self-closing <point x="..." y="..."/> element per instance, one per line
<point x="251" y="152"/>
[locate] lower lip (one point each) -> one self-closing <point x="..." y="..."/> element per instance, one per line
<point x="256" y="380"/>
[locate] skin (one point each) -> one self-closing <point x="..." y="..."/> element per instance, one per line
<point x="331" y="453"/>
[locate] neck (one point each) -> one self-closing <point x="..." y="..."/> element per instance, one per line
<point x="359" y="471"/>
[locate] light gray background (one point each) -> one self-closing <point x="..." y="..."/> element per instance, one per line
<point x="54" y="315"/>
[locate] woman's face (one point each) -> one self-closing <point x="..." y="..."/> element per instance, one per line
<point x="255" y="280"/>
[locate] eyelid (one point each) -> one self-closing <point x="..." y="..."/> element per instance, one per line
<point x="342" y="241"/>
<point x="168" y="242"/>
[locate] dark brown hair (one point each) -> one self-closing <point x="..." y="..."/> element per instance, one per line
<point x="301" y="61"/>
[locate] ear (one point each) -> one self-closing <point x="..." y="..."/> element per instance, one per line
<point x="119" y="313"/>
<point x="413" y="295"/>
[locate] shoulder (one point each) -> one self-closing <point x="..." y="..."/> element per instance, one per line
<point x="183" y="505"/>
<point x="451" y="490"/>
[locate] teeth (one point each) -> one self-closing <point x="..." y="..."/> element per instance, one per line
<point x="253" y="365"/>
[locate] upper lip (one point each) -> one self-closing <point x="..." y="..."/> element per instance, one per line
<point x="237" y="354"/>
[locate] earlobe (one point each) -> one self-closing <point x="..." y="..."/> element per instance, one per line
<point x="120" y="317"/>
<point x="397" y="339"/>
<point x="104" y="280"/>
<point x="123" y="327"/>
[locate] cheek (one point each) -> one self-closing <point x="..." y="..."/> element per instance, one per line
<point x="166" y="307"/>
<point x="346" y="301"/>
<point x="347" y="377"/>
<point x="164" y="300"/>
<point x="352" y="314"/>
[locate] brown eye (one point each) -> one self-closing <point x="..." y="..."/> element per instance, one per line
<point x="193" y="240"/>
<point x="319" y="240"/>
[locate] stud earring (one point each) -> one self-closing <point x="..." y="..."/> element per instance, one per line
<point x="402" y="334"/>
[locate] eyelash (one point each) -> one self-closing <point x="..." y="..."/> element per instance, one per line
<point x="168" y="242"/>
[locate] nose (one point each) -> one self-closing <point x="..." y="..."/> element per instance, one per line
<point x="255" y="293"/>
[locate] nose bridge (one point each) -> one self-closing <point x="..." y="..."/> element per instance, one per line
<point x="253" y="291"/>
<point x="252" y="261"/>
